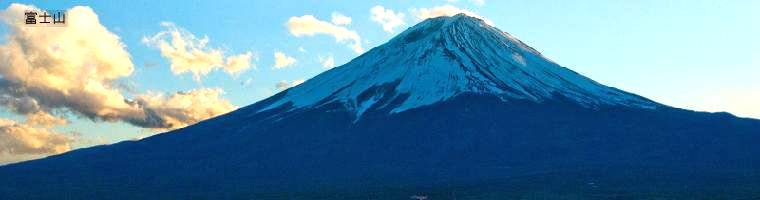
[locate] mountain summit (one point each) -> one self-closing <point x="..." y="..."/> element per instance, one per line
<point x="443" y="57"/>
<point x="451" y="108"/>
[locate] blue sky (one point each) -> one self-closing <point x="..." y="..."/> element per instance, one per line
<point x="700" y="55"/>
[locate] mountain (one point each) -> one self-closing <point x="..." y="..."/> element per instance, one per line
<point x="439" y="59"/>
<point x="451" y="108"/>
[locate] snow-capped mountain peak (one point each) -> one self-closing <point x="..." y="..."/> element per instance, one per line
<point x="443" y="57"/>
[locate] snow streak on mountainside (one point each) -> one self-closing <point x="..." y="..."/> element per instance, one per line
<point x="446" y="56"/>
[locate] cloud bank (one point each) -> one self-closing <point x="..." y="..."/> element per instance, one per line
<point x="184" y="108"/>
<point x="18" y="138"/>
<point x="77" y="68"/>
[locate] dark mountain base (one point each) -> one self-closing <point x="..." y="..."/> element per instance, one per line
<point x="588" y="184"/>
<point x="471" y="147"/>
<point x="577" y="185"/>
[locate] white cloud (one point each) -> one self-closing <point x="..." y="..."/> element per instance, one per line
<point x="387" y="18"/>
<point x="76" y="68"/>
<point x="190" y="54"/>
<point x="478" y="2"/>
<point x="327" y="62"/>
<point x="247" y="82"/>
<point x="238" y="63"/>
<point x="445" y="10"/>
<point x="340" y="19"/>
<point x="301" y="49"/>
<point x="281" y="60"/>
<point x="283" y="84"/>
<point x="308" y="25"/>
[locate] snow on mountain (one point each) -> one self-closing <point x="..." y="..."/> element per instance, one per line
<point x="443" y="57"/>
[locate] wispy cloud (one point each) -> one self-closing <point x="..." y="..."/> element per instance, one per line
<point x="283" y="84"/>
<point x="327" y="62"/>
<point x="476" y="2"/>
<point x="189" y="54"/>
<point x="309" y="25"/>
<point x="340" y="19"/>
<point x="44" y="119"/>
<point x="387" y="18"/>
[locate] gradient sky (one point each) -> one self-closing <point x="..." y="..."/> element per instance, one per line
<point x="699" y="55"/>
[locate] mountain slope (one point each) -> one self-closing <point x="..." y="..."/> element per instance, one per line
<point x="451" y="108"/>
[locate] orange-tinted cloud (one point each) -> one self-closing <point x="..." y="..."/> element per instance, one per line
<point x="76" y="67"/>
<point x="190" y="54"/>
